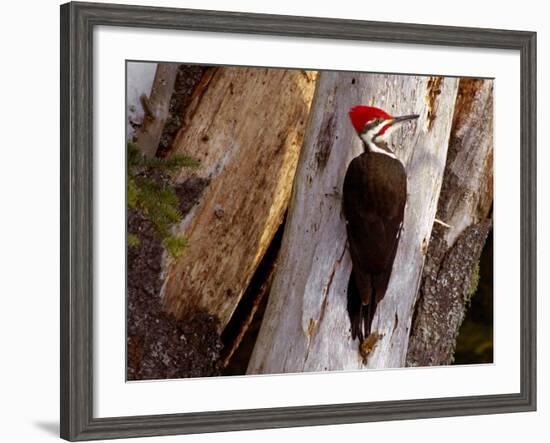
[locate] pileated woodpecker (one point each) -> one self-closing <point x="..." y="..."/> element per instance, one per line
<point x="374" y="197"/>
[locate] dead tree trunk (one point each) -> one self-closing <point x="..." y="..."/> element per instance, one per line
<point x="156" y="108"/>
<point x="140" y="77"/>
<point x="449" y="277"/>
<point x="246" y="127"/>
<point x="306" y="325"/>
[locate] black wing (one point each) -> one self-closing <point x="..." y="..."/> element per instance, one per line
<point x="374" y="197"/>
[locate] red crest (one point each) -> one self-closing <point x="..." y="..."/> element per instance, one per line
<point x="361" y="115"/>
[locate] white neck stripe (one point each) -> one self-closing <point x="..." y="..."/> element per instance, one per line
<point x="369" y="136"/>
<point x="371" y="146"/>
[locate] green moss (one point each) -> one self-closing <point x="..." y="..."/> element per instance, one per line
<point x="175" y="245"/>
<point x="133" y="241"/>
<point x="474" y="281"/>
<point x="132" y="194"/>
<point x="149" y="191"/>
<point x="171" y="164"/>
<point x="475" y="339"/>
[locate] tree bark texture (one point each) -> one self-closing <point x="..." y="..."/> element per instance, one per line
<point x="465" y="203"/>
<point x="306" y="326"/>
<point x="246" y="127"/>
<point x="156" y="107"/>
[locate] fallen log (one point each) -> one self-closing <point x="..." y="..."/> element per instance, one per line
<point x="245" y="126"/>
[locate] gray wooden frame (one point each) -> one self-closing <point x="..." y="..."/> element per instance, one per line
<point x="77" y="23"/>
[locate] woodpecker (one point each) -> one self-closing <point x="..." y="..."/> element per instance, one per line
<point x="373" y="198"/>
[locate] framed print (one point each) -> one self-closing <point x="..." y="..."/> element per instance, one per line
<point x="273" y="221"/>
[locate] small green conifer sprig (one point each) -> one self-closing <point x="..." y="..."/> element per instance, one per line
<point x="155" y="197"/>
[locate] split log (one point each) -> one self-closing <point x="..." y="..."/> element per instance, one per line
<point x="449" y="277"/>
<point x="156" y="107"/>
<point x="306" y="325"/>
<point x="246" y="126"/>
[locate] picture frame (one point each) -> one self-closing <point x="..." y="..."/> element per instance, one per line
<point x="78" y="21"/>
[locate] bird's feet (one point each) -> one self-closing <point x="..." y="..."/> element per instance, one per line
<point x="367" y="345"/>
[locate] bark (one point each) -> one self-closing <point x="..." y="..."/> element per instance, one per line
<point x="306" y="325"/>
<point x="156" y="107"/>
<point x="449" y="277"/>
<point x="246" y="127"/>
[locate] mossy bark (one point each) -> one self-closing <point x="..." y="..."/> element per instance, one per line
<point x="465" y="204"/>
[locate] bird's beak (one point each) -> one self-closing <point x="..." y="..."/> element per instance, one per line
<point x="404" y="118"/>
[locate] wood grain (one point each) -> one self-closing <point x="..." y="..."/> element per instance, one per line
<point x="246" y="127"/>
<point x="306" y="325"/>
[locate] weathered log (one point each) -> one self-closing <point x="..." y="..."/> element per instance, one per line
<point x="156" y="107"/>
<point x="246" y="127"/>
<point x="465" y="204"/>
<point x="306" y="325"/>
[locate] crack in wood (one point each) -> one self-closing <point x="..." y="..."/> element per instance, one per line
<point x="312" y="324"/>
<point x="433" y="90"/>
<point x="325" y="142"/>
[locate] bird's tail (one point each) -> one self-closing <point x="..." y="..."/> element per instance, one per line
<point x="360" y="314"/>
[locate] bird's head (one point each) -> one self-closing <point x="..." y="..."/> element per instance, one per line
<point x="374" y="125"/>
